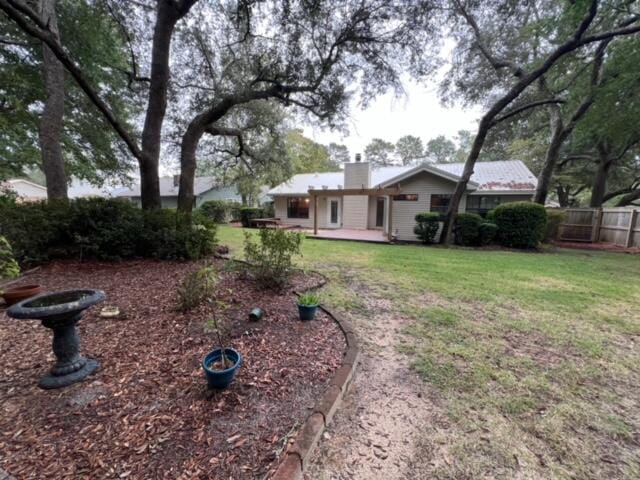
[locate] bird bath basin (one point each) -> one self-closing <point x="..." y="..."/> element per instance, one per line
<point x="60" y="311"/>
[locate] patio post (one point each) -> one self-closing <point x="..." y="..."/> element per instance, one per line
<point x="315" y="215"/>
<point x="390" y="218"/>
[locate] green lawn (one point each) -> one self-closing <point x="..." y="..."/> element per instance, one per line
<point x="535" y="356"/>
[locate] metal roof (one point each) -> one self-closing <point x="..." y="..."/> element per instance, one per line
<point x="507" y="176"/>
<point x="167" y="188"/>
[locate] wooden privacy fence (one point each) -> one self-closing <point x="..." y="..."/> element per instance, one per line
<point x="612" y="225"/>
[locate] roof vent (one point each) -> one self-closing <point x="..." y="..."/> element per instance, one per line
<point x="358" y="157"/>
<point x="325" y="187"/>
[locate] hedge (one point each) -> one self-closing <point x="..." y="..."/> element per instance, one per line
<point x="466" y="229"/>
<point x="520" y="224"/>
<point x="249" y="213"/>
<point x="221" y="211"/>
<point x="103" y="229"/>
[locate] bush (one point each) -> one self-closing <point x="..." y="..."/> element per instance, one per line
<point x="249" y="213"/>
<point x="220" y="211"/>
<point x="8" y="266"/>
<point x="309" y="300"/>
<point x="467" y="229"/>
<point x="271" y="259"/>
<point x="103" y="229"/>
<point x="427" y="225"/>
<point x="196" y="288"/>
<point x="487" y="233"/>
<point x="554" y="218"/>
<point x="520" y="224"/>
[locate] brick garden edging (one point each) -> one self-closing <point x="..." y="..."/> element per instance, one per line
<point x="297" y="453"/>
<point x="296" y="457"/>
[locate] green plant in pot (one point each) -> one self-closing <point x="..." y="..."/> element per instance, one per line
<point x="308" y="305"/>
<point x="220" y="365"/>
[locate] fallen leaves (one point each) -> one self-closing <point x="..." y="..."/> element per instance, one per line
<point x="147" y="412"/>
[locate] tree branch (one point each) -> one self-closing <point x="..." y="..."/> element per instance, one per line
<point x="523" y="108"/>
<point x="25" y="18"/>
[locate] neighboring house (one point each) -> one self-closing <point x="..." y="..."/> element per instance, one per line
<point x="360" y="196"/>
<point x="83" y="189"/>
<point x="204" y="189"/>
<point x="26" y="190"/>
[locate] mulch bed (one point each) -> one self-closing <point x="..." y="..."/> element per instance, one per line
<point x="599" y="246"/>
<point x="147" y="412"/>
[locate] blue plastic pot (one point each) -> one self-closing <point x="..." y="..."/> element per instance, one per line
<point x="307" y="312"/>
<point x="221" y="378"/>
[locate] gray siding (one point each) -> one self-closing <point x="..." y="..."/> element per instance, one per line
<point x="355" y="214"/>
<point x="222" y="193"/>
<point x="424" y="185"/>
<point x="357" y="175"/>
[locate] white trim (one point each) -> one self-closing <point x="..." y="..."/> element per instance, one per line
<point x="428" y="169"/>
<point x="503" y="192"/>
<point x="28" y="182"/>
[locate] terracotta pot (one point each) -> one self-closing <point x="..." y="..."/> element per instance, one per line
<point x="17" y="294"/>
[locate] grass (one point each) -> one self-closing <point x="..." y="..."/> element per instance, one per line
<point x="534" y="356"/>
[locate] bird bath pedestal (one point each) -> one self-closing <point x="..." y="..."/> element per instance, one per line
<point x="60" y="311"/>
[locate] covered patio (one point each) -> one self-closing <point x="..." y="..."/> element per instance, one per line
<point x="357" y="234"/>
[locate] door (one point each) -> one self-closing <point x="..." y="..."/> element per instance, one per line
<point x="380" y="212"/>
<point x="333" y="212"/>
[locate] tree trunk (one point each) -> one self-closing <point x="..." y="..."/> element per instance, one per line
<point x="166" y="19"/>
<point x="50" y="134"/>
<point x="188" y="149"/>
<point x="629" y="199"/>
<point x="563" y="195"/>
<point x="558" y="136"/>
<point x="600" y="180"/>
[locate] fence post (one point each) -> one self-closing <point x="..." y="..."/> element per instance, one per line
<point x="597" y="223"/>
<point x="632" y="223"/>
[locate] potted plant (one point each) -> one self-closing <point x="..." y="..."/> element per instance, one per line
<point x="307" y="305"/>
<point x="17" y="294"/>
<point x="220" y="365"/>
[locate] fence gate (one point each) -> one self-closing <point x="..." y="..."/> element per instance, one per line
<point x="580" y="225"/>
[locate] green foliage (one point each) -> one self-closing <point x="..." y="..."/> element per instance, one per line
<point x="554" y="219"/>
<point x="467" y="229"/>
<point x="249" y="213"/>
<point x="440" y="149"/>
<point x="8" y="266"/>
<point x="520" y="224"/>
<point x="487" y="233"/>
<point x="379" y="152"/>
<point x="309" y="300"/>
<point x="409" y="148"/>
<point x="104" y="229"/>
<point x="221" y="211"/>
<point x="196" y="288"/>
<point x="306" y="156"/>
<point x="271" y="258"/>
<point x="427" y="224"/>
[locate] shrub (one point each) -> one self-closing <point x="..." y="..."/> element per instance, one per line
<point x="554" y="218"/>
<point x="220" y="211"/>
<point x="104" y="229"/>
<point x="271" y="258"/>
<point x="249" y="213"/>
<point x="427" y="225"/>
<point x="467" y="229"/>
<point x="487" y="233"/>
<point x="196" y="288"/>
<point x="8" y="266"/>
<point x="520" y="224"/>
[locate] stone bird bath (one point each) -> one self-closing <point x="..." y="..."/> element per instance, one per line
<point x="60" y="311"/>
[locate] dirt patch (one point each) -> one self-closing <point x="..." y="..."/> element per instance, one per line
<point x="386" y="410"/>
<point x="147" y="412"/>
<point x="534" y="346"/>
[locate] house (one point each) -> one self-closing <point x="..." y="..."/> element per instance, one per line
<point x="26" y="190"/>
<point x="385" y="200"/>
<point x="204" y="189"/>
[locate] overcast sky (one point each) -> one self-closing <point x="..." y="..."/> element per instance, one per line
<point x="419" y="113"/>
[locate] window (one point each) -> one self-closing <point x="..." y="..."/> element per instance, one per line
<point x="380" y="212"/>
<point x="482" y="204"/>
<point x="298" y="207"/>
<point x="406" y="197"/>
<point x="440" y="203"/>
